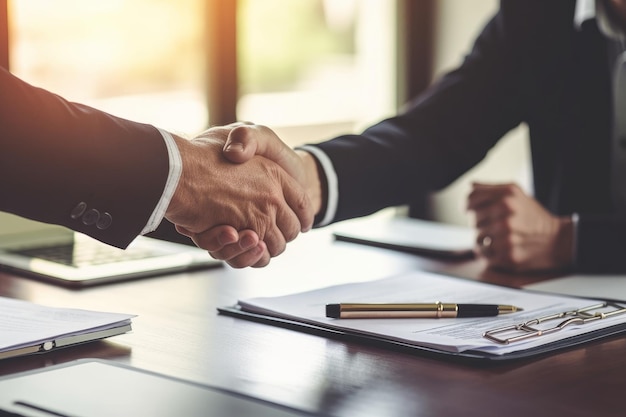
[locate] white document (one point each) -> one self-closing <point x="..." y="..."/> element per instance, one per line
<point x="446" y="334"/>
<point x="612" y="287"/>
<point x="28" y="328"/>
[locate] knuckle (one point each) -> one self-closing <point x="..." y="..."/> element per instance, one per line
<point x="273" y="244"/>
<point x="262" y="128"/>
<point x="291" y="234"/>
<point x="510" y="188"/>
<point x="241" y="132"/>
<point x="304" y="204"/>
<point x="212" y="246"/>
<point x="508" y="204"/>
<point x="279" y="248"/>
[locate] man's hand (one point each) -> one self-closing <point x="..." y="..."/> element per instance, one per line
<point x="516" y="233"/>
<point x="244" y="142"/>
<point x="258" y="198"/>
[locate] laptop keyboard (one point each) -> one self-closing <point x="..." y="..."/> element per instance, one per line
<point x="86" y="254"/>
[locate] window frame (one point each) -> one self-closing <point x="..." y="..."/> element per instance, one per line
<point x="414" y="66"/>
<point x="4" y="34"/>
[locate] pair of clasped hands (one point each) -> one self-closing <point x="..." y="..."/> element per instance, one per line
<point x="261" y="194"/>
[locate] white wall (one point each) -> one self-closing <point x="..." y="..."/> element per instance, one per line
<point x="458" y="22"/>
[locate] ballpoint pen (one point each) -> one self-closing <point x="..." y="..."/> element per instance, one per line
<point x="415" y="310"/>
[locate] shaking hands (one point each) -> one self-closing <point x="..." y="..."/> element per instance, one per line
<point x="244" y="194"/>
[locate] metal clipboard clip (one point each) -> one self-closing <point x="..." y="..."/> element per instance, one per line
<point x="523" y="331"/>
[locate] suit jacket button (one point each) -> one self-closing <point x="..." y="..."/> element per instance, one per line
<point x="91" y="217"/>
<point x="104" y="221"/>
<point x="78" y="210"/>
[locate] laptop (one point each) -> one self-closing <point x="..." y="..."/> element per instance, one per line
<point x="98" y="388"/>
<point x="62" y="256"/>
<point x="409" y="235"/>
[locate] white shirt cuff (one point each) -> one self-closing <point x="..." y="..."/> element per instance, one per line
<point x="175" y="171"/>
<point x="332" y="186"/>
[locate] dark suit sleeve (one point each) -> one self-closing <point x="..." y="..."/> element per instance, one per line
<point x="601" y="244"/>
<point x="511" y="75"/>
<point x="443" y="133"/>
<point x="55" y="155"/>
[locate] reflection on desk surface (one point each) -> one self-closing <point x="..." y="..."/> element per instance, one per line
<point x="177" y="332"/>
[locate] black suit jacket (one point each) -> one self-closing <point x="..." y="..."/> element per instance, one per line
<point x="529" y="65"/>
<point x="55" y="155"/>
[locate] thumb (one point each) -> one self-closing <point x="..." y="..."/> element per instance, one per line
<point x="248" y="140"/>
<point x="240" y="145"/>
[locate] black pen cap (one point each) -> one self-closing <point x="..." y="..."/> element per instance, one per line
<point x="333" y="310"/>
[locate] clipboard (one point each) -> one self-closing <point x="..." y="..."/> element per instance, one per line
<point x="582" y="317"/>
<point x="465" y="357"/>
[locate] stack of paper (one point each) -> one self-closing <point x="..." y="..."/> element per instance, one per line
<point x="30" y="328"/>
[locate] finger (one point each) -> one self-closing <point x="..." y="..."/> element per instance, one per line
<point x="264" y="260"/>
<point x="246" y="241"/>
<point x="183" y="231"/>
<point x="298" y="200"/>
<point x="486" y="194"/>
<point x="275" y="240"/>
<point x="501" y="253"/>
<point x="213" y="239"/>
<point x="493" y="240"/>
<point x="292" y="215"/>
<point x="275" y="236"/>
<point x="220" y="236"/>
<point x="488" y="215"/>
<point x="255" y="257"/>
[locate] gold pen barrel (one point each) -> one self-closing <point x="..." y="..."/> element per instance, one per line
<point x="398" y="310"/>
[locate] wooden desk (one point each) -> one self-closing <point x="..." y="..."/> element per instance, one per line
<point x="178" y="332"/>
